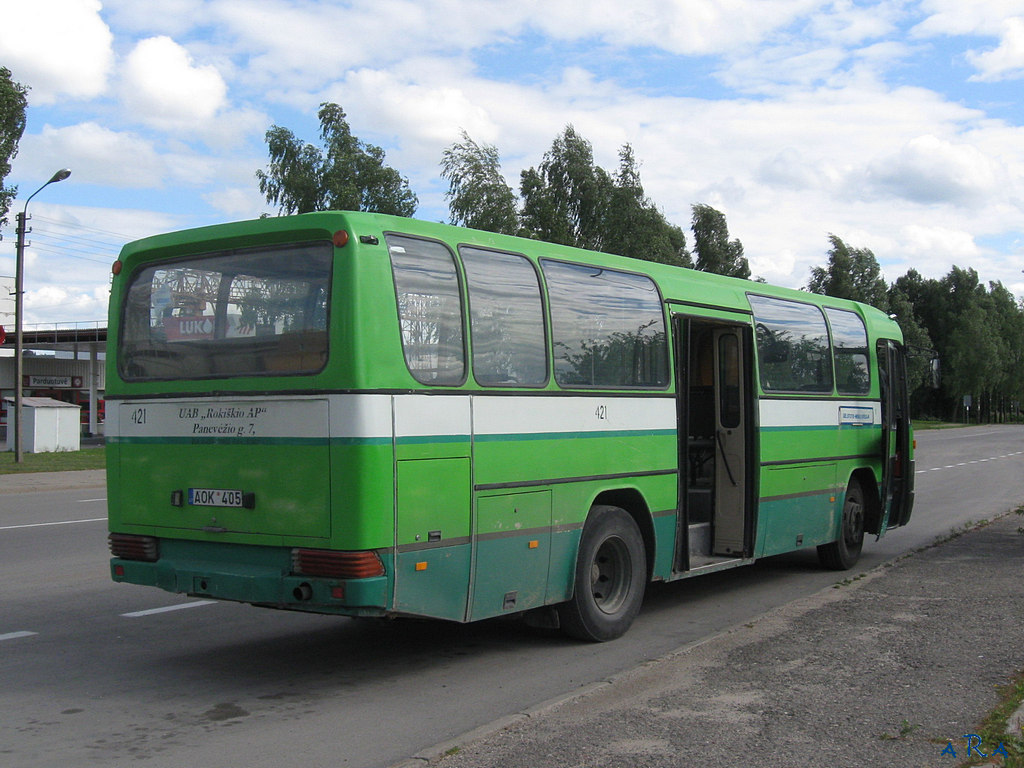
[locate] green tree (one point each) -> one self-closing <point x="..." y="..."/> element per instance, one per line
<point x="634" y="225"/>
<point x="979" y="336"/>
<point x="13" y="104"/>
<point x="973" y="356"/>
<point x="1006" y="323"/>
<point x="852" y="273"/>
<point x="715" y="251"/>
<point x="919" y="348"/>
<point x="566" y="199"/>
<point x="347" y="174"/>
<point x="478" y="195"/>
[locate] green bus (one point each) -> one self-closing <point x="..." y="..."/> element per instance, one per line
<point x="367" y="415"/>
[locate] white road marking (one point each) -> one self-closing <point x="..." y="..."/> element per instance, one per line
<point x="182" y="606"/>
<point x="61" y="522"/>
<point x="968" y="463"/>
<point x="83" y="501"/>
<point x="16" y="635"/>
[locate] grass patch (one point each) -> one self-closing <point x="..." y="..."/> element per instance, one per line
<point x="921" y="424"/>
<point x="993" y="729"/>
<point x="89" y="458"/>
<point x="906" y="728"/>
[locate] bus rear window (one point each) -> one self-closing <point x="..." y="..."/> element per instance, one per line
<point x="246" y="312"/>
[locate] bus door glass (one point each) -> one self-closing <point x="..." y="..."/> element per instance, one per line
<point x="897" y="466"/>
<point x="730" y="444"/>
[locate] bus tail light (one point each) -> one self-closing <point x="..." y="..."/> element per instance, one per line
<point x="337" y="565"/>
<point x="129" y="547"/>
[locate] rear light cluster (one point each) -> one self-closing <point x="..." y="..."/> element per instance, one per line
<point x="336" y="565"/>
<point x="129" y="547"/>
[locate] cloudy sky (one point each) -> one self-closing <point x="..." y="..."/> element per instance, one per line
<point x="897" y="125"/>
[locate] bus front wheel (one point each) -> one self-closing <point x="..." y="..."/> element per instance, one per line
<point x="611" y="572"/>
<point x="843" y="553"/>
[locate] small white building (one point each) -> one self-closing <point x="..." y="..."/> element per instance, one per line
<point x="63" y="363"/>
<point x="50" y="425"/>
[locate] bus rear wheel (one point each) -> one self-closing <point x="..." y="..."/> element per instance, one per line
<point x="843" y="553"/>
<point x="611" y="573"/>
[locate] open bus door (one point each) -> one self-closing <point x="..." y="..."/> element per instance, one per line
<point x="897" y="458"/>
<point x="717" y="433"/>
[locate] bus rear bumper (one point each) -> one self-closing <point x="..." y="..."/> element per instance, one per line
<point x="259" y="586"/>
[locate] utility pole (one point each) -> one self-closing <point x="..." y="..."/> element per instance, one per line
<point x="19" y="297"/>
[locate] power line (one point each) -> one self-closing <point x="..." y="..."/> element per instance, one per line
<point x="64" y="240"/>
<point x="120" y="236"/>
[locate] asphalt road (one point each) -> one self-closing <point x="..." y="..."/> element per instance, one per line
<point x="94" y="673"/>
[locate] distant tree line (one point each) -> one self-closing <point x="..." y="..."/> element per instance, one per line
<point x="976" y="331"/>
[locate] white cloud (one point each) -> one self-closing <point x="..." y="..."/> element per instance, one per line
<point x="690" y="27"/>
<point x="162" y="87"/>
<point x="63" y="303"/>
<point x="849" y="23"/>
<point x="417" y="111"/>
<point x="238" y="203"/>
<point x="96" y="155"/>
<point x="940" y="243"/>
<point x="1007" y="60"/>
<point x="931" y="170"/>
<point x="1001" y="19"/>
<point x="966" y="17"/>
<point x="60" y="48"/>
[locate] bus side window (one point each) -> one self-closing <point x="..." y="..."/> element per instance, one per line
<point x="792" y="346"/>
<point x="506" y="319"/>
<point x="850" y="351"/>
<point x="429" y="309"/>
<point x="607" y="327"/>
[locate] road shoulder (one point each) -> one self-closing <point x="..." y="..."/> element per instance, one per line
<point x="33" y="482"/>
<point x="885" y="669"/>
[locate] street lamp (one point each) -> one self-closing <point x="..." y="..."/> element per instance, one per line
<point x="19" y="295"/>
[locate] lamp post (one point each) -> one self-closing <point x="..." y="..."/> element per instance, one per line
<point x="19" y="295"/>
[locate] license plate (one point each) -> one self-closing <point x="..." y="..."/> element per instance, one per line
<point x="214" y="497"/>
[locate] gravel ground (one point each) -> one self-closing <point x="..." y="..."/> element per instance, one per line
<point x="885" y="670"/>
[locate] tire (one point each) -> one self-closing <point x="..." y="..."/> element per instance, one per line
<point x="843" y="553"/>
<point x="611" y="574"/>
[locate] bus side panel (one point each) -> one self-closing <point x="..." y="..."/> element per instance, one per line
<point x="432" y="566"/>
<point x="433" y="492"/>
<point x="513" y="549"/>
<point x="797" y="507"/>
<point x="580" y="447"/>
